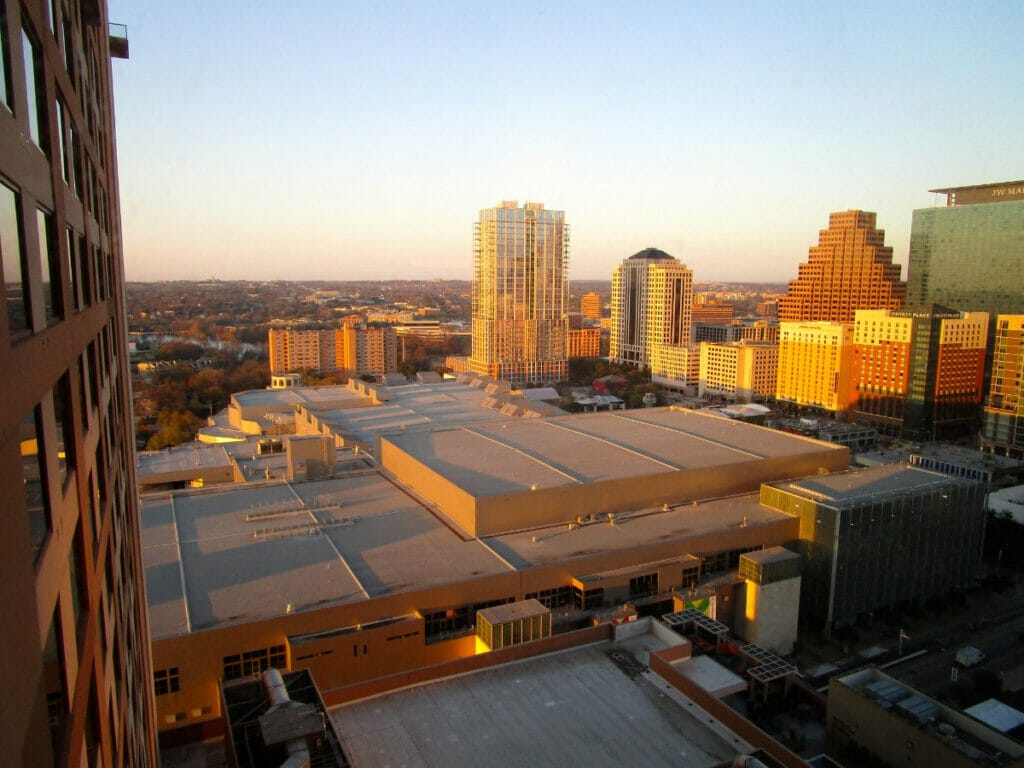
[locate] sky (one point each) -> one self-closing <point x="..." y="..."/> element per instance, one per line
<point x="327" y="140"/>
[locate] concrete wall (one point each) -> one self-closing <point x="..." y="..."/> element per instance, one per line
<point x="766" y="615"/>
<point x="456" y="503"/>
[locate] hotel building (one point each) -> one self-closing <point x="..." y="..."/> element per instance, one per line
<point x="652" y="305"/>
<point x="850" y="268"/>
<point x="969" y="254"/>
<point x="814" y="366"/>
<point x="520" y="294"/>
<point x="1003" y="417"/>
<point x="76" y="658"/>
<point x="918" y="374"/>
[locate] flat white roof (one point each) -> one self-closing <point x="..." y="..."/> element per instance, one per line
<point x="576" y="707"/>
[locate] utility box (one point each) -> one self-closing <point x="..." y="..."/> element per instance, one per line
<point x="968" y="656"/>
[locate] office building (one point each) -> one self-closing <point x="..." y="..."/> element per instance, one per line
<point x="969" y="254"/>
<point x="352" y="350"/>
<point x="850" y="268"/>
<point x="1003" y="416"/>
<point x="738" y="370"/>
<point x="520" y="293"/>
<point x="814" y="366"/>
<point x="880" y="537"/>
<point x="75" y="666"/>
<point x="652" y="304"/>
<point x="918" y="373"/>
<point x="591" y="306"/>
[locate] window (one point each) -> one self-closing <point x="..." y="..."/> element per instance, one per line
<point x="37" y="501"/>
<point x="65" y="426"/>
<point x="254" y="662"/>
<point x="54" y="672"/>
<point x="166" y="681"/>
<point x="49" y="263"/>
<point x="5" y="67"/>
<point x="34" y="90"/>
<point x="13" y="257"/>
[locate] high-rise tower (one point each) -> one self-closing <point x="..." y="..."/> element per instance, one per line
<point x="850" y="268"/>
<point x="652" y="305"/>
<point x="78" y="686"/>
<point x="520" y="293"/>
<point x="1003" y="425"/>
<point x="969" y="254"/>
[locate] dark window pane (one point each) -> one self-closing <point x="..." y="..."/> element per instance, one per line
<point x="49" y="262"/>
<point x="34" y="476"/>
<point x="65" y="426"/>
<point x="15" y="285"/>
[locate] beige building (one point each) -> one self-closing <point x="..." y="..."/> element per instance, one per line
<point x="676" y="366"/>
<point x="354" y="350"/>
<point x="381" y="570"/>
<point x="652" y="305"/>
<point x="520" y="294"/>
<point x="814" y="365"/>
<point x="740" y="371"/>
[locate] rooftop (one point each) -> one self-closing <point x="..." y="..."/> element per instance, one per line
<point x="846" y="489"/>
<point x="414" y="407"/>
<point x="217" y="557"/>
<point x="578" y="707"/>
<point x="522" y="455"/>
<point x="960" y="732"/>
<point x="652" y="253"/>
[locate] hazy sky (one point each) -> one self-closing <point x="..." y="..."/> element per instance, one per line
<point x="352" y="140"/>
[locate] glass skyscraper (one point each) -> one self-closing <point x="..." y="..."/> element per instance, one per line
<point x="969" y="254"/>
<point x="520" y="294"/>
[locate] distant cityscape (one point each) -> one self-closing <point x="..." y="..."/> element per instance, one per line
<point x="519" y="519"/>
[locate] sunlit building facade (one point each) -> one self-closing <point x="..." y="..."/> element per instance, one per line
<point x="76" y="671"/>
<point x="584" y="342"/>
<point x="591" y="306"/>
<point x="969" y="254"/>
<point x="676" y="366"/>
<point x="850" y="268"/>
<point x="740" y="371"/>
<point x="1003" y="417"/>
<point x="652" y="305"/>
<point x="353" y="350"/>
<point x="520" y="294"/>
<point x="919" y="374"/>
<point x="814" y="366"/>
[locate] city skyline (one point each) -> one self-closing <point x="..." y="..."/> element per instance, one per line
<point x="358" y="146"/>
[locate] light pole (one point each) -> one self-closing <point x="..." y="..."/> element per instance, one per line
<point x="903" y="636"/>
